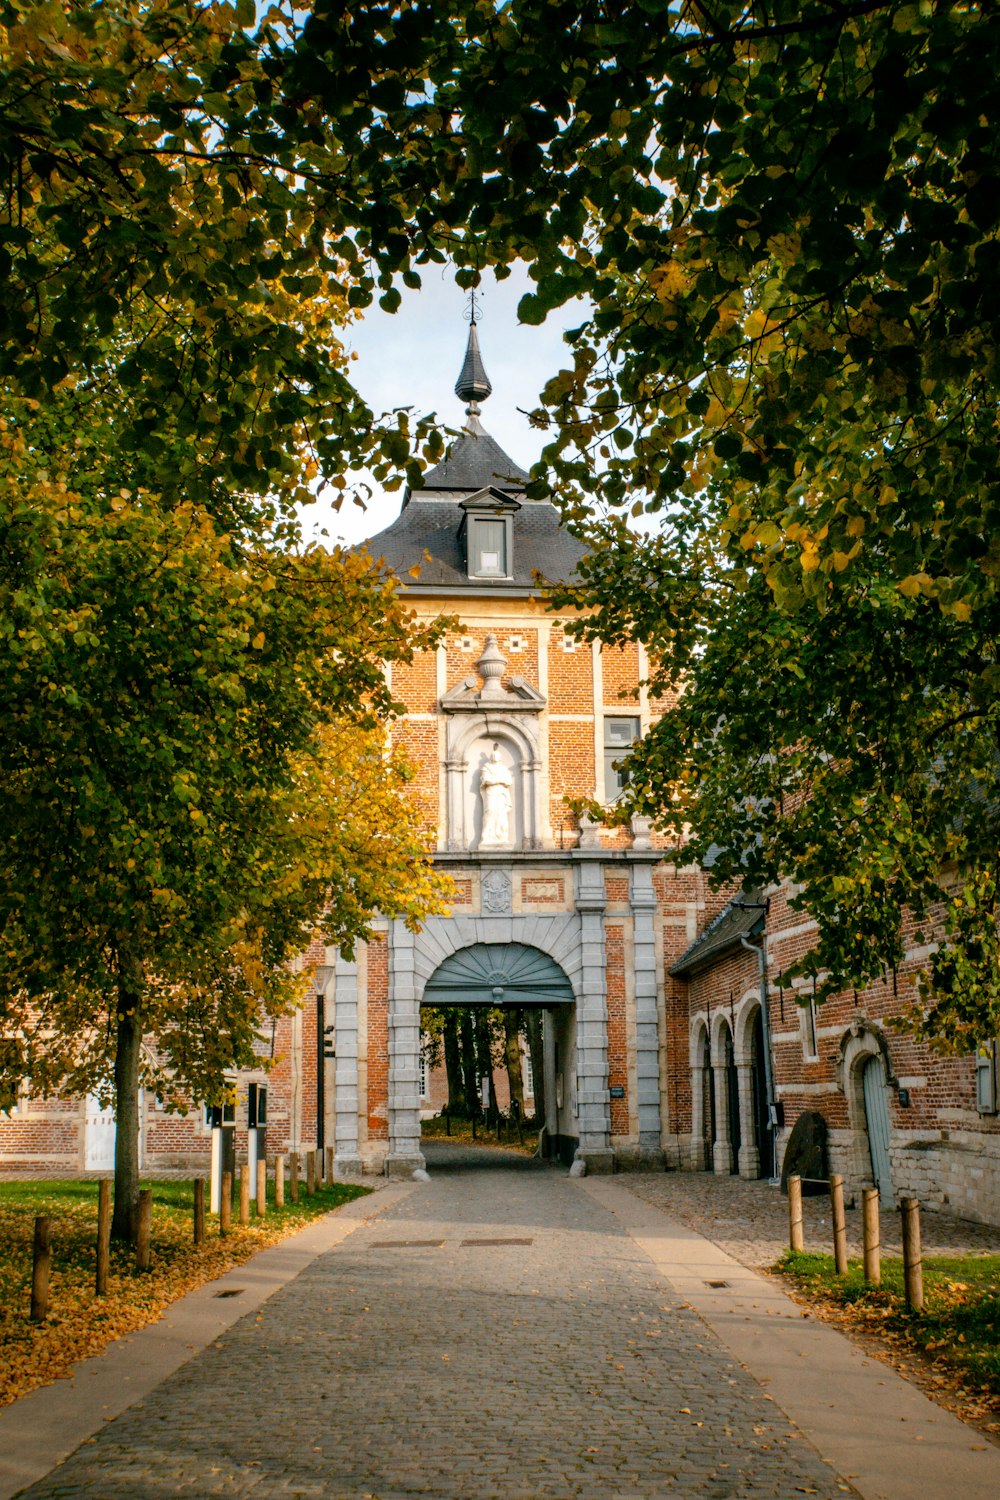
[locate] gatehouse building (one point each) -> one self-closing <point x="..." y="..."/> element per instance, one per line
<point x="667" y="1042"/>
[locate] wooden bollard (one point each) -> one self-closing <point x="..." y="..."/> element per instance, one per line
<point x="103" y="1237"/>
<point x="199" y="1210"/>
<point x="144" y="1231"/>
<point x="244" y="1193"/>
<point x="913" y="1261"/>
<point x="796" y="1235"/>
<point x="329" y="1166"/>
<point x="41" y="1265"/>
<point x="293" y="1176"/>
<point x="872" y="1236"/>
<point x="261" y="1186"/>
<point x="310" y="1172"/>
<point x="226" y="1202"/>
<point x="279" y="1181"/>
<point x="839" y="1223"/>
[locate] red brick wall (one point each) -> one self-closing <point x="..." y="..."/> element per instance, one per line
<point x="617" y="1042"/>
<point x="378" y="1040"/>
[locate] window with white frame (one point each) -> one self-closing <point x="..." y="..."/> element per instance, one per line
<point x="527" y="1074"/>
<point x="423" y="1076"/>
<point x="488" y="547"/>
<point x="620" y="734"/>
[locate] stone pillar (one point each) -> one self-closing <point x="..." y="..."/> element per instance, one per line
<point x="404" y="1155"/>
<point x="749" y="1162"/>
<point x="647" y="1037"/>
<point x="722" y="1151"/>
<point x="699" y="1125"/>
<point x="549" y="1079"/>
<point x="593" y="1103"/>
<point x="346" y="1153"/>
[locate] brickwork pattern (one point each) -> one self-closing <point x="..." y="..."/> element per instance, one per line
<point x="378" y="1041"/>
<point x="617" y="1026"/>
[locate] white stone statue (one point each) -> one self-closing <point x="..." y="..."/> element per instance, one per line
<point x="496" y="787"/>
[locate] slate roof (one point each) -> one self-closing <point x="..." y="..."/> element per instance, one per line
<point x="539" y="542"/>
<point x="474" y="461"/>
<point x="734" y="922"/>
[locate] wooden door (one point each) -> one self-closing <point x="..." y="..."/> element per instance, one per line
<point x="877" y="1121"/>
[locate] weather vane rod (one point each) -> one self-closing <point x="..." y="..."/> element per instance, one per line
<point x="474" y="306"/>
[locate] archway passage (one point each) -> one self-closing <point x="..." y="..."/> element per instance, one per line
<point x="498" y="1049"/>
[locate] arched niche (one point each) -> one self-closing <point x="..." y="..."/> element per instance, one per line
<point x="471" y="738"/>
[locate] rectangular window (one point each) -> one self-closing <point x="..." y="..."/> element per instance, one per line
<point x="489" y="549"/>
<point x="527" y="1076"/>
<point x="809" y="1039"/>
<point x="619" y="735"/>
<point x="423" y="1076"/>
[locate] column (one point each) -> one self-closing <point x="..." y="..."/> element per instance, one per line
<point x="346" y="1153"/>
<point x="647" y="1030"/>
<point x="549" y="1079"/>
<point x="749" y="1162"/>
<point x="722" y="1151"/>
<point x="593" y="1104"/>
<point x="404" y="1155"/>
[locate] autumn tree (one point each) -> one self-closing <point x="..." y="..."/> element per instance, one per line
<point x="194" y="772"/>
<point x="195" y="783"/>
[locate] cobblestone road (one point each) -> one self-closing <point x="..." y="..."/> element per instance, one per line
<point x="463" y="1369"/>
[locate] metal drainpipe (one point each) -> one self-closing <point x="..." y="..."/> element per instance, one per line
<point x="761" y="953"/>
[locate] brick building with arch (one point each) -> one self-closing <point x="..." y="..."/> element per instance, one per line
<point x="667" y="1043"/>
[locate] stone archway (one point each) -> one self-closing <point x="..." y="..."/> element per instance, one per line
<point x="517" y="975"/>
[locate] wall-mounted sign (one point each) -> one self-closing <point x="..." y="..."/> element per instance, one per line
<point x="617" y="1091"/>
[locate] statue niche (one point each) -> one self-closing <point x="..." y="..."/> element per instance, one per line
<point x="492" y="762"/>
<point x="496" y="793"/>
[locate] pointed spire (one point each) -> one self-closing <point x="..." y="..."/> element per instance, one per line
<point x="473" y="384"/>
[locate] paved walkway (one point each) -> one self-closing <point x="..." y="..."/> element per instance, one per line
<point x="420" y="1357"/>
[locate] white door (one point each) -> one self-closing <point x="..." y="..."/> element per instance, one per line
<point x="99" y="1136"/>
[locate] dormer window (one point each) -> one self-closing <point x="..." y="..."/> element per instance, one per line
<point x="488" y="548"/>
<point x="487" y="528"/>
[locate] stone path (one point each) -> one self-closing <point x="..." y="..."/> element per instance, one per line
<point x="750" y="1219"/>
<point x="418" y="1359"/>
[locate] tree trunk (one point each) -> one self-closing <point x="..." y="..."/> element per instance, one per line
<point x="453" y="1064"/>
<point x="537" y="1055"/>
<point x="128" y="1045"/>
<point x="512" y="1037"/>
<point x="468" y="1035"/>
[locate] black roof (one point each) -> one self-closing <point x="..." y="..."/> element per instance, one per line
<point x="431" y="526"/>
<point x="736" y="921"/>
<point x="474" y="461"/>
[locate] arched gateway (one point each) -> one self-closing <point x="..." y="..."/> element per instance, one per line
<point x="504" y="720"/>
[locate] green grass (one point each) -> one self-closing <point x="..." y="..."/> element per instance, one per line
<point x="959" y="1325"/>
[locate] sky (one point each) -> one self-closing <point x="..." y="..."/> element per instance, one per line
<point x="413" y="357"/>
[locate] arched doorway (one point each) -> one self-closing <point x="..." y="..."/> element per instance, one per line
<point x="518" y="977"/>
<point x="732" y="1100"/>
<point x="763" y="1129"/>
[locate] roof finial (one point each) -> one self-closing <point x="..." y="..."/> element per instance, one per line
<point x="473" y="384"/>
